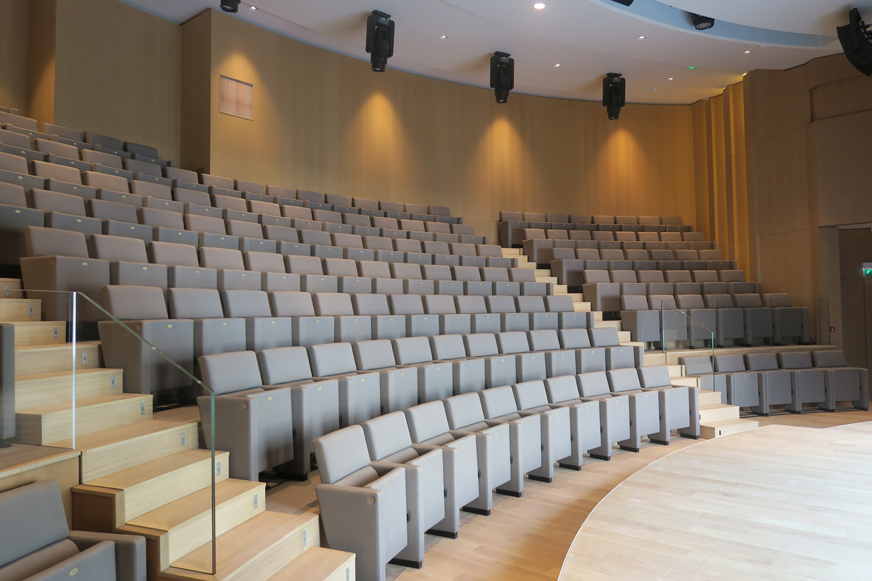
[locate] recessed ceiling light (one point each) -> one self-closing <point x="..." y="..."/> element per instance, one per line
<point x="653" y="88"/>
<point x="643" y="37"/>
<point x="747" y="52"/>
<point x="744" y="74"/>
<point x="252" y="7"/>
<point x="557" y="65"/>
<point x="691" y="67"/>
<point x="671" y="79"/>
<point x="539" y="5"/>
<point x="443" y="36"/>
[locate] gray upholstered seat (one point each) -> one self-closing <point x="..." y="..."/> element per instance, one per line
<point x="758" y="319"/>
<point x="258" y="434"/>
<point x="384" y="324"/>
<point x="529" y="365"/>
<point x="450" y="321"/>
<point x="584" y="418"/>
<point x="645" y="411"/>
<point x="354" y="489"/>
<point x="263" y="330"/>
<point x="128" y="261"/>
<point x="213" y="333"/>
<point x="807" y="383"/>
<point x="37" y="543"/>
<point x="614" y="412"/>
<point x="435" y="380"/>
<point x="359" y="393"/>
<point x="499" y="369"/>
<point x="526" y="433"/>
<point x="730" y="321"/>
<point x="558" y="362"/>
<point x="399" y="386"/>
<point x="701" y="368"/>
<point x="231" y="269"/>
<point x="312" y="276"/>
<point x="183" y="266"/>
<point x="679" y="405"/>
<point x="775" y="383"/>
<point x="598" y="289"/>
<point x="556" y="440"/>
<point x="742" y="386"/>
<point x="298" y="309"/>
<point x="418" y="323"/>
<point x="842" y="383"/>
<point x="469" y="373"/>
<point x="587" y="358"/>
<point x="789" y="324"/>
<point x="389" y="443"/>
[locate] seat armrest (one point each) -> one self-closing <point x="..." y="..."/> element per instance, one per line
<point x="129" y="552"/>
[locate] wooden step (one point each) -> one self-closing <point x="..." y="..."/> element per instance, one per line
<point x="521" y="258"/>
<point x="717" y="413"/>
<point x="674" y="371"/>
<point x="608" y="324"/>
<point x="527" y="265"/>
<point x="597" y="315"/>
<point x="581" y="307"/>
<point x="15" y="310"/>
<point x="113" y="450"/>
<point x="318" y="564"/>
<point x="559" y="289"/>
<point x="254" y="551"/>
<point x="10" y="288"/>
<point x="39" y="359"/>
<point x="107" y="503"/>
<point x="624" y="337"/>
<point x="185" y="525"/>
<point x="48" y="388"/>
<point x="44" y="425"/>
<point x="29" y="333"/>
<point x="543" y="272"/>
<point x="707" y="398"/>
<point x="576" y="297"/>
<point x="655" y="358"/>
<point x="722" y="428"/>
<point x="512" y="252"/>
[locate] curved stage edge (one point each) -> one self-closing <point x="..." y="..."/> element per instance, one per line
<point x="778" y="502"/>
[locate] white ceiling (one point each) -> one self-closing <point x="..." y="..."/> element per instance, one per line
<point x="587" y="37"/>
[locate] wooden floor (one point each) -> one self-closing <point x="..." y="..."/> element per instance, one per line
<point x="528" y="538"/>
<point x="780" y="502"/>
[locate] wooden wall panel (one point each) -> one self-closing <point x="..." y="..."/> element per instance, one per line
<point x="14" y="33"/>
<point x="42" y="48"/>
<point x="781" y="102"/>
<point x="196" y="121"/>
<point x="843" y="151"/>
<point x="325" y="122"/>
<point x="119" y="73"/>
<point x="782" y="188"/>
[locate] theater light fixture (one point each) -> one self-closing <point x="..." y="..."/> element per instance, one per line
<point x="380" y="39"/>
<point x="624" y="2"/>
<point x="856" y="41"/>
<point x="539" y="5"/>
<point x="614" y="94"/>
<point x="702" y="22"/>
<point x="502" y="75"/>
<point x="231" y="6"/>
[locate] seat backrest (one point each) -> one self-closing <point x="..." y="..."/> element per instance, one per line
<point x="761" y="362"/>
<point x="534" y="234"/>
<point x="405" y="271"/>
<point x="374" y="269"/>
<point x="795" y="360"/>
<point x="12" y="195"/>
<point x="596" y="277"/>
<point x="670" y="236"/>
<point x="530" y="394"/>
<point x="447" y="347"/>
<point x="593" y="384"/>
<point x="637" y="254"/>
<point x="134" y="303"/>
<point x="719" y="301"/>
<point x="557" y="234"/>
<point x="332" y="304"/>
<point x="375" y="354"/>
<point x="522" y="275"/>
<point x="264" y="262"/>
<point x="377" y="243"/>
<point x="17" y="164"/>
<point x="436" y="272"/>
<point x="33" y="517"/>
<point x="253" y="187"/>
<point x="365" y="203"/>
<point x="495" y="304"/>
<point x="534" y="217"/>
<point x="729" y="363"/>
<point x="507" y="216"/>
<point x="623" y="276"/>
<point x="229" y="372"/>
<point x="54" y="242"/>
<point x="530" y="304"/>
<point x="711" y="254"/>
<point x="604" y="337"/>
<point x="560" y="389"/>
<point x="776" y="300"/>
<point x="342" y="453"/>
<point x="105" y="210"/>
<point x="194" y="303"/>
<point x="118" y="248"/>
<point x="106" y="159"/>
<point x="512" y="342"/>
<point x="340" y="267"/>
<point x="337" y="199"/>
<point x="621" y="380"/>
<point x="158" y="191"/>
<point x="481" y="345"/>
<point x="653" y="376"/>
<point x="466" y="273"/>
<point x="747" y="301"/>
<point x="58" y="172"/>
<point x="291" y="304"/>
<point x="829" y="358"/>
<point x="331" y="359"/>
<point x="498" y="401"/>
<point x="389" y="223"/>
<point x="612" y="254"/>
<point x="580" y="219"/>
<point x="462" y="249"/>
<point x="318" y="237"/>
<point x="675" y="276"/>
<point x="304" y="265"/>
<point x="407" y="245"/>
<point x="325" y="216"/>
<point x="357" y="220"/>
<point x="436" y="247"/>
<point x="310" y="196"/>
<point x="634" y="303"/>
<point x="690" y="302"/>
<point x="686" y="254"/>
<point x="494" y="274"/>
<point x="347" y="240"/>
<point x="543" y="340"/>
<point x="574" y="338"/>
<point x="370" y="304"/>
<point x="413" y="225"/>
<point x="698" y="365"/>
<point x="412" y="350"/>
<point x="221" y="258"/>
<point x="206" y="224"/>
<point x="463" y="410"/>
<point x="657" y="302"/>
<point x="603" y="236"/>
<point x="244" y="304"/>
<point x="732" y="275"/>
<point x="284" y="365"/>
<point x="57" y="202"/>
<point x="106" y="181"/>
<point x="559" y="304"/>
<point x="244" y="229"/>
<point x="439" y="305"/>
<point x="427" y="421"/>
<point x="587" y="253"/>
<point x="297" y="212"/>
<point x="406" y="304"/>
<point x="386" y="435"/>
<point x="625" y="236"/>
<point x="489" y="250"/>
<point x="172" y="254"/>
<point x="651" y="276"/>
<point x="437" y="227"/>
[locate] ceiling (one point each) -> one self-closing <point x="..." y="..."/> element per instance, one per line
<point x="588" y="38"/>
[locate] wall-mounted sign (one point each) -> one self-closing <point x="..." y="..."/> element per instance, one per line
<point x="867" y="269"/>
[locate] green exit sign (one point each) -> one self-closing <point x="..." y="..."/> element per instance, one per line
<point x="867" y="269"/>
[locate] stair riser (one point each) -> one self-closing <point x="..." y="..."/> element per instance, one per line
<point x="41" y="391"/>
<point x="719" y="414"/>
<point x="710" y="398"/>
<point x="36" y="361"/>
<point x="709" y="432"/>
<point x="40" y="333"/>
<point x="273" y="560"/>
<point x="19" y="310"/>
<point x="100" y="462"/>
<point x="42" y="430"/>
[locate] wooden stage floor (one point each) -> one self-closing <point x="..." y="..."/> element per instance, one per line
<point x="780" y="502"/>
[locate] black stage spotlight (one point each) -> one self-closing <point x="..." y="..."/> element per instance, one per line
<point x="624" y="2"/>
<point x="502" y="69"/>
<point x="702" y="22"/>
<point x="380" y="39"/>
<point x="614" y="94"/>
<point x="231" y="6"/>
<point x="857" y="43"/>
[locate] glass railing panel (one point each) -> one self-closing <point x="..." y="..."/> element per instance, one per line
<point x="157" y="358"/>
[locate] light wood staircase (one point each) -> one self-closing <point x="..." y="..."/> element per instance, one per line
<point x="143" y="473"/>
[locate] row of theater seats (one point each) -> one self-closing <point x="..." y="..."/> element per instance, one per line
<point x="542" y="251"/>
<point x="654" y="281"/>
<point x="744" y="319"/>
<point x="54" y="263"/>
<point x="512" y="224"/>
<point x="791" y="379"/>
<point x="570" y="264"/>
<point x="193" y="322"/>
<point x="451" y="448"/>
